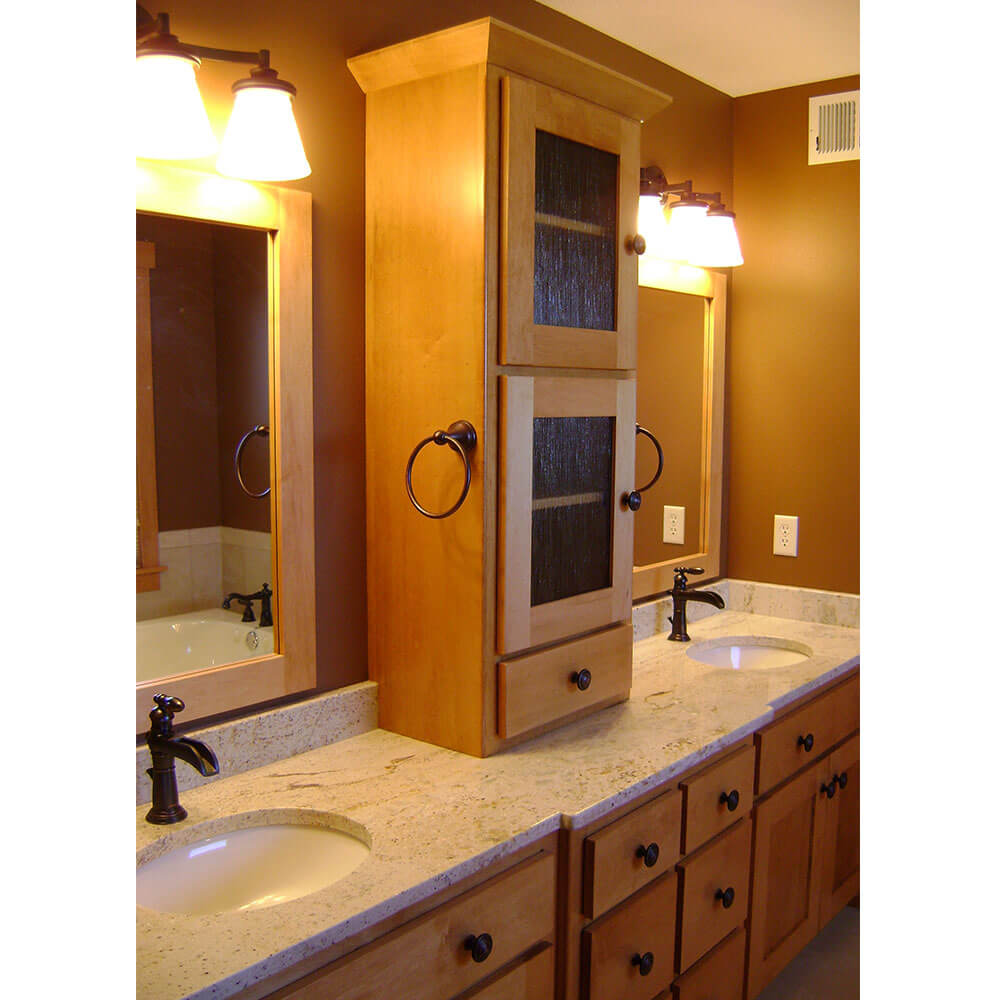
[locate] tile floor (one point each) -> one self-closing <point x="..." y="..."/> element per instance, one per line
<point x="828" y="968"/>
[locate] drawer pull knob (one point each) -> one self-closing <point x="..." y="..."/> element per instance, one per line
<point x="480" y="946"/>
<point x="829" y="790"/>
<point x="842" y="779"/>
<point x="727" y="896"/>
<point x="581" y="678"/>
<point x="650" y="855"/>
<point x="645" y="963"/>
<point x="730" y="801"/>
<point x="806" y="742"/>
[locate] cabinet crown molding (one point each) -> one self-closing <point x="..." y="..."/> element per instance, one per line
<point x="490" y="41"/>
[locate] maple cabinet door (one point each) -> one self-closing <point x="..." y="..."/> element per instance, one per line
<point x="570" y="195"/>
<point x="567" y="459"/>
<point x="840" y="854"/>
<point x="785" y="897"/>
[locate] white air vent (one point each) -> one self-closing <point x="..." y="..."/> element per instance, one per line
<point x="833" y="127"/>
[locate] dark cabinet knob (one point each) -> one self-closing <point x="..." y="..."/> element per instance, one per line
<point x="829" y="790"/>
<point x="645" y="963"/>
<point x="730" y="801"/>
<point x="726" y="895"/>
<point x="841" y="779"/>
<point x="806" y="742"/>
<point x="650" y="855"/>
<point x="581" y="678"/>
<point x="480" y="946"/>
<point x="633" y="500"/>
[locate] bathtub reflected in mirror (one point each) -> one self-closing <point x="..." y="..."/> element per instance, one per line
<point x="209" y="379"/>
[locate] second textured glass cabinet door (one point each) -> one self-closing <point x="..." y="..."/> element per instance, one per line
<point x="569" y="200"/>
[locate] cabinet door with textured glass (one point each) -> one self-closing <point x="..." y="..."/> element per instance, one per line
<point x="570" y="177"/>
<point x="568" y="457"/>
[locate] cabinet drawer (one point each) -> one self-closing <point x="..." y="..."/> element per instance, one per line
<point x="719" y="975"/>
<point x="613" y="945"/>
<point x="612" y="865"/>
<point x="709" y="798"/>
<point x="534" y="977"/>
<point x="806" y="734"/>
<point x="704" y="879"/>
<point x="516" y="908"/>
<point x="541" y="688"/>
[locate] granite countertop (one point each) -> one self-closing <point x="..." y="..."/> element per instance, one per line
<point x="435" y="816"/>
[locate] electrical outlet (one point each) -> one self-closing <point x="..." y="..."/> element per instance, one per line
<point x="673" y="525"/>
<point x="786" y="535"/>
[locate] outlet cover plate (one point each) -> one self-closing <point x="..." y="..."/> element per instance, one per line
<point x="786" y="535"/>
<point x="673" y="525"/>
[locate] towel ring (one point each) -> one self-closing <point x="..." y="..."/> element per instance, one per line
<point x="263" y="431"/>
<point x="460" y="437"/>
<point x="633" y="500"/>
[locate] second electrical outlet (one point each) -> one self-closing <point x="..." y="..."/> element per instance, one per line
<point x="673" y="525"/>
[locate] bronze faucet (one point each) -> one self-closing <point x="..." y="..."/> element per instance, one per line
<point x="165" y="749"/>
<point x="263" y="595"/>
<point x="681" y="595"/>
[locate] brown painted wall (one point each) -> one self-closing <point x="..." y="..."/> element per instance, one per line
<point x="310" y="41"/>
<point x="793" y="369"/>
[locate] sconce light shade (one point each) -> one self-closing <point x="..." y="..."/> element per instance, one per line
<point x="686" y="219"/>
<point x="653" y="224"/>
<point x="717" y="243"/>
<point x="262" y="141"/>
<point x="170" y="121"/>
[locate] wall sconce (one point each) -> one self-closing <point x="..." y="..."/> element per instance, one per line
<point x="695" y="229"/>
<point x="261" y="142"/>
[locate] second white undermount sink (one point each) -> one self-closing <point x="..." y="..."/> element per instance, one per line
<point x="249" y="867"/>
<point x="750" y="653"/>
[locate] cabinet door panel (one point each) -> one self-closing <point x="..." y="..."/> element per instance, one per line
<point x="567" y="457"/>
<point x="534" y="978"/>
<point x="783" y="914"/>
<point x="839" y="879"/>
<point x="570" y="187"/>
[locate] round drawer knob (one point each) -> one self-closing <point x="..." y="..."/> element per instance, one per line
<point x="727" y="896"/>
<point x="645" y="963"/>
<point x="650" y="855"/>
<point x="581" y="678"/>
<point x="806" y="742"/>
<point x="637" y="244"/>
<point x="842" y="779"/>
<point x="829" y="790"/>
<point x="480" y="946"/>
<point x="730" y="801"/>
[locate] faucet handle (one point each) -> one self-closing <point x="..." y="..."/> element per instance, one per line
<point x="162" y="717"/>
<point x="681" y="574"/>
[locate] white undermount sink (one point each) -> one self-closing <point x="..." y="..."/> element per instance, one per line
<point x="750" y="652"/>
<point x="250" y="867"/>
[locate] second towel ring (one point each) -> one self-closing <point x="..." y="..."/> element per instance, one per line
<point x="633" y="500"/>
<point x="263" y="431"/>
<point x="460" y="437"/>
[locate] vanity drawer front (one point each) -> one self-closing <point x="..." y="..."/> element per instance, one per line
<point x="534" y="977"/>
<point x="719" y="975"/>
<point x="612" y="866"/>
<point x="709" y="794"/>
<point x="612" y="946"/>
<point x="540" y="688"/>
<point x="704" y="877"/>
<point x="807" y="733"/>
<point x="427" y="959"/>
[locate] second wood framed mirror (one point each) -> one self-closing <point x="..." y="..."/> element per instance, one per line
<point x="680" y="399"/>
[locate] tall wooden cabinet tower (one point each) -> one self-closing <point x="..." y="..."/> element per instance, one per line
<point x="502" y="179"/>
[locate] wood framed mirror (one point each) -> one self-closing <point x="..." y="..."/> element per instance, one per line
<point x="680" y="399"/>
<point x="283" y="217"/>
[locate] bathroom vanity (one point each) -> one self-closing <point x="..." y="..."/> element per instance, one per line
<point x="548" y="849"/>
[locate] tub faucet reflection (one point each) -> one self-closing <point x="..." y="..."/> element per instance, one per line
<point x="263" y="595"/>
<point x="166" y="749"/>
<point x="681" y="595"/>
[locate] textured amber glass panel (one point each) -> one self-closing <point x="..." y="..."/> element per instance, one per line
<point x="576" y="213"/>
<point x="571" y="506"/>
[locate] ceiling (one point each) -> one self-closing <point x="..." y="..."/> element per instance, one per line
<point x="737" y="46"/>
